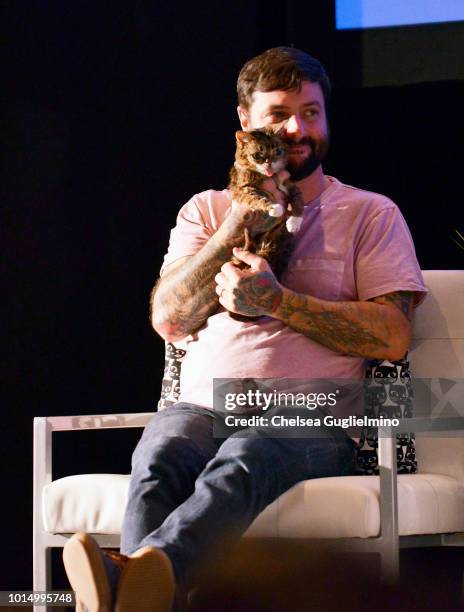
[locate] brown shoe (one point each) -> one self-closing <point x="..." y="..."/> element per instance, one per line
<point x="85" y="568"/>
<point x="106" y="580"/>
<point x="146" y="583"/>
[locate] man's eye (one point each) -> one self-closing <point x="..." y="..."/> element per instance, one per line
<point x="277" y="115"/>
<point x="311" y="113"/>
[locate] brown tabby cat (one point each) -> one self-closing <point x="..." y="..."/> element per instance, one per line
<point x="262" y="153"/>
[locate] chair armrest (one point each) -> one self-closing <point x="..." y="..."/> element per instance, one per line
<point x="96" y="421"/>
<point x="45" y="426"/>
<point x="388" y="463"/>
<point x="431" y="425"/>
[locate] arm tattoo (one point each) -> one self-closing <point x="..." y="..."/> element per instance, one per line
<point x="257" y="295"/>
<point x="404" y="300"/>
<point x="184" y="298"/>
<point x="335" y="325"/>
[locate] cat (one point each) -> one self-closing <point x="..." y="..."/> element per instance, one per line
<point x="262" y="153"/>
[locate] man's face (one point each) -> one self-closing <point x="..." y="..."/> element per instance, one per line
<point x="306" y="130"/>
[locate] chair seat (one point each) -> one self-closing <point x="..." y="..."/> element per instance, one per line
<point x="336" y="507"/>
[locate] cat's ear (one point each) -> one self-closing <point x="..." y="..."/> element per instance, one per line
<point x="278" y="128"/>
<point x="242" y="136"/>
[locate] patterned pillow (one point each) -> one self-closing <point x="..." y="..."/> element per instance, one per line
<point x="170" y="386"/>
<point x="388" y="392"/>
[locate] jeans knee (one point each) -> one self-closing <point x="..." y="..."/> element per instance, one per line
<point x="163" y="451"/>
<point x="253" y="457"/>
<point x="253" y="448"/>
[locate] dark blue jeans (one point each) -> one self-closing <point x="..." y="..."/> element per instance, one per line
<point x="188" y="489"/>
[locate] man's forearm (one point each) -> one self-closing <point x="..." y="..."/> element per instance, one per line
<point x="184" y="298"/>
<point x="361" y="329"/>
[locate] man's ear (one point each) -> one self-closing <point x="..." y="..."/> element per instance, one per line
<point x="244" y="119"/>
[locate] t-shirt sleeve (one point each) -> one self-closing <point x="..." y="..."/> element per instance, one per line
<point x="190" y="233"/>
<point x="196" y="222"/>
<point x="385" y="258"/>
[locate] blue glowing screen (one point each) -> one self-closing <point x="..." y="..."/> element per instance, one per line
<point x="352" y="14"/>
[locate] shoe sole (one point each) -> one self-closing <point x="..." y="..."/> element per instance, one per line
<point x="146" y="583"/>
<point x="86" y="573"/>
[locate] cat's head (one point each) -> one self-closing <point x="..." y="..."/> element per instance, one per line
<point x="386" y="374"/>
<point x="261" y="150"/>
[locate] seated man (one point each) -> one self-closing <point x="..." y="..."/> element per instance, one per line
<point x="347" y="295"/>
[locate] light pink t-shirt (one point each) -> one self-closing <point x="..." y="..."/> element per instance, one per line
<point x="352" y="245"/>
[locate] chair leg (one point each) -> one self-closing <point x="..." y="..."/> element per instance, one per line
<point x="390" y="563"/>
<point x="41" y="577"/>
<point x="461" y="599"/>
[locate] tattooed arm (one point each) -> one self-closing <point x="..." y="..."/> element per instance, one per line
<point x="376" y="329"/>
<point x="184" y="297"/>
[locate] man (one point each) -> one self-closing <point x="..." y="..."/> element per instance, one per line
<point x="347" y="295"/>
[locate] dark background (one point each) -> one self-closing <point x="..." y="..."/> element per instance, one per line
<point x="116" y="113"/>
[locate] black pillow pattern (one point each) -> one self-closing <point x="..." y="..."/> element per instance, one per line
<point x="388" y="392"/>
<point x="170" y="386"/>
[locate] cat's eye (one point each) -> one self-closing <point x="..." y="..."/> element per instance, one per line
<point x="257" y="156"/>
<point x="279" y="152"/>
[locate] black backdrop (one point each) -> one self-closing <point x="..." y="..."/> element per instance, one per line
<point x="115" y="114"/>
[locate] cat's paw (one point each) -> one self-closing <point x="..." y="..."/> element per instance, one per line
<point x="293" y="224"/>
<point x="276" y="210"/>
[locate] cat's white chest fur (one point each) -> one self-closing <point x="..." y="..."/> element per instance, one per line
<point x="293" y="224"/>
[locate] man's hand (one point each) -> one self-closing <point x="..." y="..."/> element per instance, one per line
<point x="252" y="292"/>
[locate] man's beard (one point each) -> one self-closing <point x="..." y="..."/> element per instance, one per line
<point x="319" y="149"/>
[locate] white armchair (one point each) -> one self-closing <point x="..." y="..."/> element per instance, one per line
<point x="380" y="513"/>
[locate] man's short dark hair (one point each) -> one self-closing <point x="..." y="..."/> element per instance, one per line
<point x="280" y="68"/>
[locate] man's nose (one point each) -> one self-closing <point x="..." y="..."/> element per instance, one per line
<point x="294" y="126"/>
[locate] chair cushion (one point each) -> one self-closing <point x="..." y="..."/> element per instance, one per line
<point x="336" y="507"/>
<point x="93" y="503"/>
